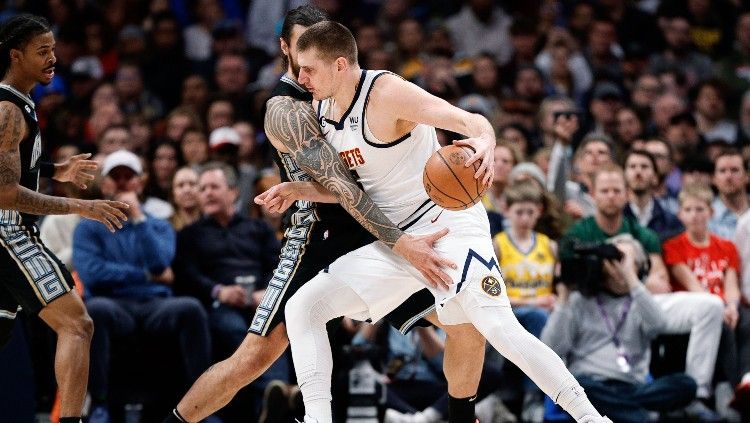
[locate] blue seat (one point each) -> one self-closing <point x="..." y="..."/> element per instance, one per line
<point x="553" y="412"/>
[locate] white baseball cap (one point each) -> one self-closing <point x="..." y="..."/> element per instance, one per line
<point x="122" y="158"/>
<point x="222" y="136"/>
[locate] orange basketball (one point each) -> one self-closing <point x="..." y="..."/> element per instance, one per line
<point x="447" y="180"/>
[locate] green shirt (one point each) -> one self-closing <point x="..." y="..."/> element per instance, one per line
<point x="587" y="231"/>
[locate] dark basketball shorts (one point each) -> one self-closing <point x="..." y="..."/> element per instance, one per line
<point x="30" y="275"/>
<point x="306" y="251"/>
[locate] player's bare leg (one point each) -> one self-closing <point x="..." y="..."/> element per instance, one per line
<point x="221" y="382"/>
<point x="463" y="360"/>
<point x="68" y="318"/>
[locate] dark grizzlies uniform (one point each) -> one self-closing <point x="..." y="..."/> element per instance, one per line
<point x="30" y="275"/>
<point x="315" y="236"/>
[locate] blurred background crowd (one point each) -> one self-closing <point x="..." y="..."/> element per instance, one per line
<point x="619" y="123"/>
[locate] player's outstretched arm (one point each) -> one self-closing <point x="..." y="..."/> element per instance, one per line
<point x="15" y="197"/>
<point x="405" y="101"/>
<point x="281" y="196"/>
<point x="294" y="124"/>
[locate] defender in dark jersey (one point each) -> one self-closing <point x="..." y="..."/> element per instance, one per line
<point x="315" y="235"/>
<point x="31" y="277"/>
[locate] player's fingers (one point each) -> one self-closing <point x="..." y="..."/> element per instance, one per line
<point x="445" y="262"/>
<point x="88" y="165"/>
<point x="112" y="218"/>
<point x="432" y="238"/>
<point x="483" y="166"/>
<point x="474" y="158"/>
<point x="114" y="211"/>
<point x="429" y="279"/>
<point x="106" y="223"/>
<point x="260" y="198"/>
<point x="119" y="205"/>
<point x="487" y="180"/>
<point x="114" y="221"/>
<point x="274" y="202"/>
<point x="442" y="279"/>
<point x="83" y="156"/>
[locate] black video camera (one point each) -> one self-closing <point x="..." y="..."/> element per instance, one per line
<point x="584" y="270"/>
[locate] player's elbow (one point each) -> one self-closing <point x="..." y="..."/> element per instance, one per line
<point x="8" y="195"/>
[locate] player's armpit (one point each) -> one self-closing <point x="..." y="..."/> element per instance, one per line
<point x="295" y="124"/>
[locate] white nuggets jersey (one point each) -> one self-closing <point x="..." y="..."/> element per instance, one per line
<point x="390" y="171"/>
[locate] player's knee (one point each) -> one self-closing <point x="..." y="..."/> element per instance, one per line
<point x="296" y="313"/>
<point x="467" y="336"/>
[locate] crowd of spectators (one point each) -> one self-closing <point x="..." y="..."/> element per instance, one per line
<point x="618" y="121"/>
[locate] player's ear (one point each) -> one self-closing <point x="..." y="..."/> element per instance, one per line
<point x="284" y="46"/>
<point x="15" y="55"/>
<point x="342" y="64"/>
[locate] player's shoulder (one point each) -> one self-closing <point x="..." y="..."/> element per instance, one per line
<point x="387" y="81"/>
<point x="9" y="108"/>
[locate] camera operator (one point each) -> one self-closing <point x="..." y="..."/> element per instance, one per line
<point x="699" y="314"/>
<point x="605" y="340"/>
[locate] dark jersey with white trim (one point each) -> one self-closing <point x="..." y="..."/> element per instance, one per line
<point x="30" y="152"/>
<point x="302" y="211"/>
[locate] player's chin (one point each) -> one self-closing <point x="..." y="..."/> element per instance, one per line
<point x="45" y="79"/>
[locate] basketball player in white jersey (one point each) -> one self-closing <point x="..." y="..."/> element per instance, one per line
<point x="383" y="127"/>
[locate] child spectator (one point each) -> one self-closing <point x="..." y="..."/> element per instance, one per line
<point x="700" y="261"/>
<point x="528" y="261"/>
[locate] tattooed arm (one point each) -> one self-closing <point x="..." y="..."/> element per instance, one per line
<point x="294" y="124"/>
<point x="16" y="197"/>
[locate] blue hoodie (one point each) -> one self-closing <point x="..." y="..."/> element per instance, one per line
<point x="118" y="265"/>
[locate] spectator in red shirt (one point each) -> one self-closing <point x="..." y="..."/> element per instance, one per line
<point x="698" y="260"/>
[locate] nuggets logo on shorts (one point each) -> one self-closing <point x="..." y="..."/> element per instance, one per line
<point x="491" y="286"/>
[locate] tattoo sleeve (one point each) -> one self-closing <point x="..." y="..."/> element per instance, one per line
<point x="295" y="124"/>
<point x="12" y="195"/>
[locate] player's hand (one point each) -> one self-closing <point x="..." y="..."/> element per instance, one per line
<point x="233" y="295"/>
<point x="420" y="252"/>
<point x="110" y="213"/>
<point x="134" y="205"/>
<point x="77" y="170"/>
<point x="731" y="315"/>
<point x="484" y="151"/>
<point x="279" y="197"/>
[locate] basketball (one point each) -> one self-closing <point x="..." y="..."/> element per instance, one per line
<point x="448" y="182"/>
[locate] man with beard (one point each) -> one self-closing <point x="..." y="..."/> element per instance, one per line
<point x="641" y="178"/>
<point x="316" y="235"/>
<point x="730" y="179"/>
<point x="697" y="313"/>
